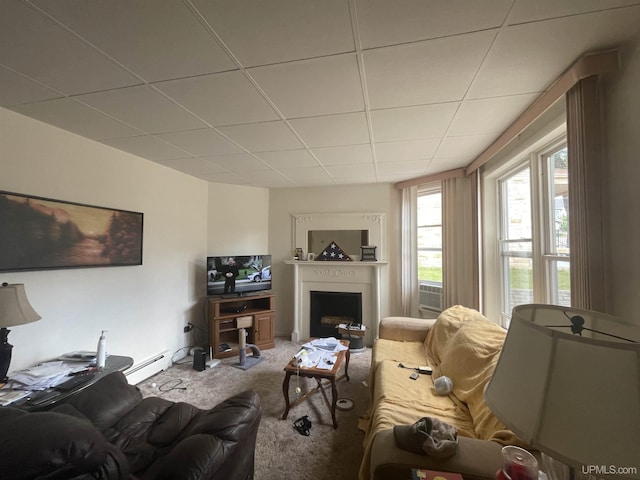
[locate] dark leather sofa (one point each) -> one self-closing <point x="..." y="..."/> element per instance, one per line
<point x="108" y="431"/>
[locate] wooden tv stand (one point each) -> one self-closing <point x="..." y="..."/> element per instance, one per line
<point x="226" y="315"/>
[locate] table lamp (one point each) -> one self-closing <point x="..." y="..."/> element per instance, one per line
<point x="15" y="309"/>
<point x="568" y="384"/>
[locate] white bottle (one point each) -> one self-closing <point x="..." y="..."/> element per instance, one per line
<point x="101" y="356"/>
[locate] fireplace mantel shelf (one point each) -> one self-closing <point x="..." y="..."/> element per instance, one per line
<point x="321" y="263"/>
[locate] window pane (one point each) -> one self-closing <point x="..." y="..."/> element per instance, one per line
<point x="429" y="209"/>
<point x="430" y="238"/>
<point x="519" y="282"/>
<point x="559" y="189"/>
<point x="560" y="283"/>
<point x="430" y="267"/>
<point x="517" y="205"/>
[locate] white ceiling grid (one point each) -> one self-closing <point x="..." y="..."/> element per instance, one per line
<point x="295" y="92"/>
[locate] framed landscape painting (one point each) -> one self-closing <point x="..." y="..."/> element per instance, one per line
<point x="41" y="233"/>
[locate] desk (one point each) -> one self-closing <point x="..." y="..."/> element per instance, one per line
<point x="114" y="363"/>
<point x="319" y="374"/>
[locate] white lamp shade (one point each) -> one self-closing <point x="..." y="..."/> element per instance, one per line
<point x="15" y="308"/>
<point x="575" y="398"/>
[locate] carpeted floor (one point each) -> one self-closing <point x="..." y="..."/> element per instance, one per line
<point x="281" y="452"/>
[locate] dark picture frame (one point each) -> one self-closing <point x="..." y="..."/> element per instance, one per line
<point x="38" y="233"/>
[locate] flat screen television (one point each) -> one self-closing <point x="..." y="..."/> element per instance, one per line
<point x="238" y="274"/>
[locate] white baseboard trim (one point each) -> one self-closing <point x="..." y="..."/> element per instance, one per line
<point x="149" y="367"/>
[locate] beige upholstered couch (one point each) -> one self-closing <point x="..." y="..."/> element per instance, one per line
<point x="461" y="344"/>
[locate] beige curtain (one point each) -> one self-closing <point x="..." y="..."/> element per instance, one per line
<point x="409" y="263"/>
<point x="584" y="147"/>
<point x="460" y="282"/>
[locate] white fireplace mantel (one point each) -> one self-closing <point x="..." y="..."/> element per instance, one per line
<point x="368" y="278"/>
<point x="355" y="277"/>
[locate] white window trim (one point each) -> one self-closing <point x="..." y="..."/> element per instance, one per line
<point x="538" y="138"/>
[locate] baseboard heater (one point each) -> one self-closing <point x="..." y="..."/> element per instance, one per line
<point x="149" y="367"/>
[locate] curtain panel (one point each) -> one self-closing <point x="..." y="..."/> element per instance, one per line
<point x="460" y="257"/>
<point x="586" y="230"/>
<point x="409" y="252"/>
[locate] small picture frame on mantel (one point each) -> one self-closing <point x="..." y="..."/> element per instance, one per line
<point x="368" y="253"/>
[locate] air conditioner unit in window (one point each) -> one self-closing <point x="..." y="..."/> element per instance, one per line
<point x="430" y="297"/>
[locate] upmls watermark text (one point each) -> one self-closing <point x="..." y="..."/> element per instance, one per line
<point x="608" y="470"/>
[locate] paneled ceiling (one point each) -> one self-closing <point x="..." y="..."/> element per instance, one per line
<point x="289" y="93"/>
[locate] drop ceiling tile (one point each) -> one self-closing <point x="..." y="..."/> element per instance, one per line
<point x="332" y="130"/>
<point x="319" y="86"/>
<point x="409" y="123"/>
<point x="201" y="143"/>
<point x="526" y="58"/>
<point x="143" y="108"/>
<point x="383" y="22"/>
<point x="415" y="168"/>
<point x="157" y="40"/>
<point x="261" y="33"/>
<point x="222" y="99"/>
<point x="433" y="71"/>
<point x="238" y="163"/>
<point x="439" y="165"/>
<point x="309" y="176"/>
<point x="75" y="117"/>
<point x="353" y="173"/>
<point x="525" y="11"/>
<point x="266" y="177"/>
<point x="193" y="166"/>
<point x="393" y="178"/>
<point x="463" y="149"/>
<point x="147" y="147"/>
<point x="39" y="48"/>
<point x="288" y="159"/>
<point x="407" y="150"/>
<point x="489" y="115"/>
<point x="263" y="137"/>
<point x="16" y="89"/>
<point x="344" y="155"/>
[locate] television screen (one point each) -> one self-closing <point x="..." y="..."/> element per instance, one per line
<point x="238" y="274"/>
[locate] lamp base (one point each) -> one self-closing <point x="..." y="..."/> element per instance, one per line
<point x="5" y="353"/>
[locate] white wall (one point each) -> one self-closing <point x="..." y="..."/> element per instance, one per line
<point x="381" y="198"/>
<point x="144" y="308"/>
<point x="238" y="220"/>
<point x="622" y="114"/>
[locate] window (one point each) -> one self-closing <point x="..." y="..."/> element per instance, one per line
<point x="533" y="228"/>
<point x="429" y="243"/>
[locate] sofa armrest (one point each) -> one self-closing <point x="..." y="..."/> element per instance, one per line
<point x="474" y="459"/>
<point x="54" y="445"/>
<point x="405" y="329"/>
<point x="218" y="443"/>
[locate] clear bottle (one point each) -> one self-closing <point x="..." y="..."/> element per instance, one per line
<point x="101" y="356"/>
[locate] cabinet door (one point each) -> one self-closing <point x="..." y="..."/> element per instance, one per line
<point x="263" y="329"/>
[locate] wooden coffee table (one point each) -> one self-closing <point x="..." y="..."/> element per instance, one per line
<point x="319" y="374"/>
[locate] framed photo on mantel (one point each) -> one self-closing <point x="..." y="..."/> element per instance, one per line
<point x="41" y="233"/>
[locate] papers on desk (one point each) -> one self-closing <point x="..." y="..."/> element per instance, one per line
<point x="8" y="396"/>
<point x="319" y="353"/>
<point x="329" y="344"/>
<point x="46" y="375"/>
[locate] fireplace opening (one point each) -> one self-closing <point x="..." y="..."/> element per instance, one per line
<point x="330" y="309"/>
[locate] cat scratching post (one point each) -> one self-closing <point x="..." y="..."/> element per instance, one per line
<point x="244" y="361"/>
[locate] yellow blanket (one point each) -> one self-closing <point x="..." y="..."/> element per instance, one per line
<point x="462" y="345"/>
